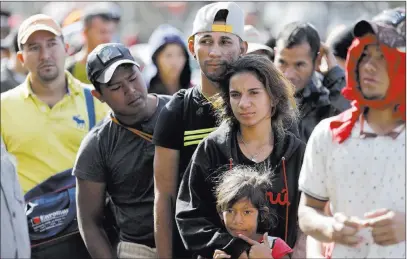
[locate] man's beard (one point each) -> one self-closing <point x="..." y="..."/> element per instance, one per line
<point x="217" y="76"/>
<point x="48" y="77"/>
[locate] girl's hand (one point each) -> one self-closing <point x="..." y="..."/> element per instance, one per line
<point x="258" y="251"/>
<point x="218" y="254"/>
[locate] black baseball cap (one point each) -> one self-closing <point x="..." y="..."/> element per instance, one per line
<point x="104" y="59"/>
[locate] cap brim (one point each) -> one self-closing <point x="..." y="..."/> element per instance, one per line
<point x="363" y="27"/>
<point x="108" y="73"/>
<point x="252" y="47"/>
<point x="38" y="27"/>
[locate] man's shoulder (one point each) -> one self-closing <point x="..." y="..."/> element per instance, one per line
<point x="182" y="94"/>
<point x="175" y="103"/>
<point x="102" y="129"/>
<point x="163" y="99"/>
<point x="323" y="131"/>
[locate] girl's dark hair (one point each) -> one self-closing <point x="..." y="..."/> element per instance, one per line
<point x="245" y="182"/>
<point x="280" y="90"/>
<point x="186" y="74"/>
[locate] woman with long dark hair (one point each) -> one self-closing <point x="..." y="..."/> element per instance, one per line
<point x="256" y="112"/>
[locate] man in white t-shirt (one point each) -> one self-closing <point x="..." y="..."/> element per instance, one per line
<point x="356" y="160"/>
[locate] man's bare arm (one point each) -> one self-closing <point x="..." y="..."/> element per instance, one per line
<point x="340" y="228"/>
<point x="90" y="198"/>
<point x="312" y="219"/>
<point x="165" y="182"/>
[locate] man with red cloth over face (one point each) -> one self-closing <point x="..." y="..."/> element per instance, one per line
<point x="356" y="160"/>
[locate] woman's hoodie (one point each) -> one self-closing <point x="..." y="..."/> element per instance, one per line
<point x="197" y="218"/>
<point x="162" y="35"/>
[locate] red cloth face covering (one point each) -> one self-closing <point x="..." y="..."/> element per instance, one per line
<point x="396" y="94"/>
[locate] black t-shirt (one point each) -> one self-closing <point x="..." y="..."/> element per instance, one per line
<point x="184" y="122"/>
<point x="114" y="155"/>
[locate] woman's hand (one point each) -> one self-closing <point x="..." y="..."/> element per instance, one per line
<point x="218" y="254"/>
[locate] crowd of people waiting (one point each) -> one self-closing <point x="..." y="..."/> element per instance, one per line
<point x="292" y="148"/>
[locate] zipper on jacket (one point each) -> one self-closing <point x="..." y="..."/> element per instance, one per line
<point x="288" y="197"/>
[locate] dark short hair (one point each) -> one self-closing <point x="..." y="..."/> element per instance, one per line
<point x="341" y="42"/>
<point x="296" y="33"/>
<point x="280" y="90"/>
<point x="14" y="46"/>
<point x="271" y="42"/>
<point x="105" y="17"/>
<point x="107" y="11"/>
<point x="221" y="16"/>
<point x="245" y="182"/>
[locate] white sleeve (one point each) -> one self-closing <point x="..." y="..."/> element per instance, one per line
<point x="313" y="176"/>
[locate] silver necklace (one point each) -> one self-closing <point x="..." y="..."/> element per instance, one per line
<point x="253" y="157"/>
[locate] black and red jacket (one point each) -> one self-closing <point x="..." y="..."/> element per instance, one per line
<point x="197" y="219"/>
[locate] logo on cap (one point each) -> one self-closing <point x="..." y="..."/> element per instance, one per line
<point x="109" y="53"/>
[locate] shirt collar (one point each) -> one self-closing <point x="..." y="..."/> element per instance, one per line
<point x="367" y="129"/>
<point x="74" y="85"/>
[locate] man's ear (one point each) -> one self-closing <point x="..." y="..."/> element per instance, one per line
<point x="97" y="95"/>
<point x="20" y="57"/>
<point x="191" y="47"/>
<point x="318" y="60"/>
<point x="243" y="48"/>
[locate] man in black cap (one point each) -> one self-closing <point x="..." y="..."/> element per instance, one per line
<point x="116" y="157"/>
<point x="100" y="24"/>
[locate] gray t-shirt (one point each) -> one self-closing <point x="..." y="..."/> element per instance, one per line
<point x="123" y="160"/>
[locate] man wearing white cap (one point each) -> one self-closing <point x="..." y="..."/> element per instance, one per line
<point x="217" y="40"/>
<point x="44" y="120"/>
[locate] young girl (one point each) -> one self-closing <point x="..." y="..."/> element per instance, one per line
<point x="242" y="204"/>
